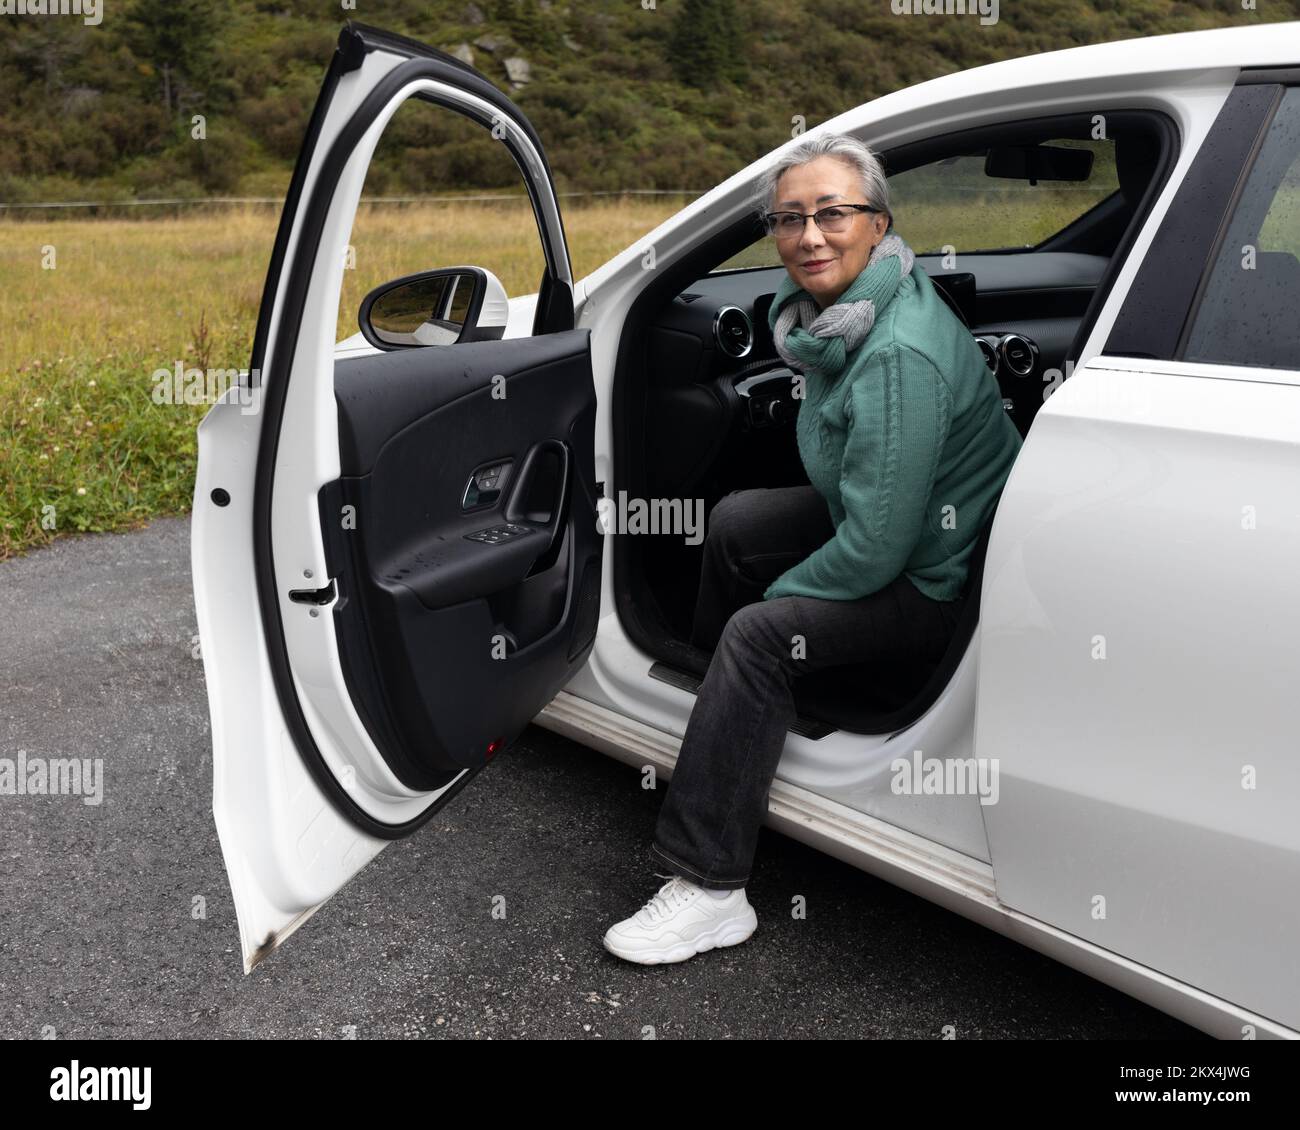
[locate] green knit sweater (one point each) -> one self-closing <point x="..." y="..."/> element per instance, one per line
<point x="909" y="445"/>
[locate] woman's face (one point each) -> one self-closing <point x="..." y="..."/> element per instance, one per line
<point x="825" y="263"/>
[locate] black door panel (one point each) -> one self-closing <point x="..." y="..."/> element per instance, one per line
<point x="463" y="537"/>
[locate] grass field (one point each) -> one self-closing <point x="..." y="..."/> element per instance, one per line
<point x="83" y="446"/>
<point x="93" y="308"/>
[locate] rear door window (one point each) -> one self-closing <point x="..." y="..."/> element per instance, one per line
<point x="1249" y="308"/>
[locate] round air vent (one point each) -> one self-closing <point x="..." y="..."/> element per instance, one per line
<point x="733" y="331"/>
<point x="1018" y="354"/>
<point x="990" y="353"/>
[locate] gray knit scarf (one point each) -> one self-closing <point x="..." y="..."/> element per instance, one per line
<point x="807" y="337"/>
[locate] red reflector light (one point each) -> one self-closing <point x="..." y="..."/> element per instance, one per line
<point x="493" y="746"/>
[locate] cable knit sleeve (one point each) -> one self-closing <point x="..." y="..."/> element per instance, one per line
<point x="898" y="412"/>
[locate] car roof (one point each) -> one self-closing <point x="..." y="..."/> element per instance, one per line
<point x="1183" y="55"/>
<point x="1208" y="50"/>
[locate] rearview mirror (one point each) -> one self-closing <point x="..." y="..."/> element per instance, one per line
<point x="1038" y="162"/>
<point x="442" y="307"/>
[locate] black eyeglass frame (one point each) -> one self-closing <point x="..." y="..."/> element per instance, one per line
<point x="768" y="221"/>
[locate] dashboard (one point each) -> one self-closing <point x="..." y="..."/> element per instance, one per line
<point x="1023" y="309"/>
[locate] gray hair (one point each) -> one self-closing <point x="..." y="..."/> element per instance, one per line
<point x="852" y="152"/>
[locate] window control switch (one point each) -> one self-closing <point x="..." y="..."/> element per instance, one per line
<point x="494" y="535"/>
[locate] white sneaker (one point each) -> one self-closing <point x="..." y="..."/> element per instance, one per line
<point x="680" y="921"/>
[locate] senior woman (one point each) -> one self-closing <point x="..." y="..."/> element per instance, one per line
<point x="907" y="446"/>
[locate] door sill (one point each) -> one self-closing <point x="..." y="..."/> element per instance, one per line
<point x="688" y="681"/>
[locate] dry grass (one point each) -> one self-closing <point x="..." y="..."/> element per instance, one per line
<point x="142" y="285"/>
<point x="82" y="444"/>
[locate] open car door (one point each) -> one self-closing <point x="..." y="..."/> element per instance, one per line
<point x="396" y="558"/>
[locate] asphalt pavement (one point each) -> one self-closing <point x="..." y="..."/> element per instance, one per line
<point x="116" y="919"/>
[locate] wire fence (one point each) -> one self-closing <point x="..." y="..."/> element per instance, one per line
<point x="277" y="201"/>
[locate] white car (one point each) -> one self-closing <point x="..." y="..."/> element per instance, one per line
<point x="395" y="571"/>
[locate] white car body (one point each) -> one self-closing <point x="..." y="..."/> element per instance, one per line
<point x="1118" y="779"/>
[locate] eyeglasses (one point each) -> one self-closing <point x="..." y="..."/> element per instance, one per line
<point x="836" y="218"/>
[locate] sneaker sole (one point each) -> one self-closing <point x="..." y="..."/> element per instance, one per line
<point x="729" y="934"/>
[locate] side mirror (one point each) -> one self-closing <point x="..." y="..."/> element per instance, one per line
<point x="442" y="307"/>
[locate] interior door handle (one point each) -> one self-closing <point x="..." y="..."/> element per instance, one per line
<point x="485" y="485"/>
<point x="541" y="496"/>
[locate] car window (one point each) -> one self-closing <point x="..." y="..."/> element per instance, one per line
<point x="440" y="192"/>
<point x="952" y="202"/>
<point x="1247" y="312"/>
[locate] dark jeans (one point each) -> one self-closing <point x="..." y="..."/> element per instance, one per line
<point x="717" y="798"/>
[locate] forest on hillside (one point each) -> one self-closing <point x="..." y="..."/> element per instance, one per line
<point x="648" y="94"/>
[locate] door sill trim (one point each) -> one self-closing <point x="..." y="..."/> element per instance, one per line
<point x="688" y="681"/>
